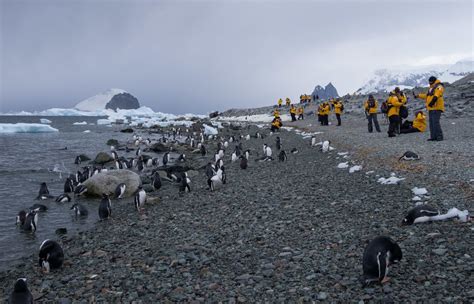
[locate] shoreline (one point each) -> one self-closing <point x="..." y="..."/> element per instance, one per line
<point x="291" y="231"/>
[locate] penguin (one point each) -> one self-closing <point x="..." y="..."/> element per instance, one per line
<point x="20" y="294"/>
<point x="20" y="218"/>
<point x="326" y="146"/>
<point x="232" y="139"/>
<point x="138" y="152"/>
<point x="68" y="186"/>
<point x="203" y="150"/>
<point x="140" y="199"/>
<point x="80" y="190"/>
<point x="267" y="151"/>
<point x="51" y="255"/>
<point x="114" y="155"/>
<point x="118" y="164"/>
<point x="282" y="156"/>
<point x="247" y="137"/>
<point x="78" y="177"/>
<point x="149" y="162"/>
<point x="182" y="158"/>
<point x="184" y="185"/>
<point x="313" y="141"/>
<point x="63" y="198"/>
<point x="278" y="143"/>
<point x="243" y="162"/>
<point x="409" y="155"/>
<point x="156" y="181"/>
<point x="148" y="142"/>
<point x="234" y="156"/>
<point x="140" y="164"/>
<point x="419" y="211"/>
<point x="43" y="192"/>
<point x="79" y="210"/>
<point x="216" y="180"/>
<point x="31" y="221"/>
<point x="105" y="207"/>
<point x="38" y="208"/>
<point x="226" y="144"/>
<point x="210" y="170"/>
<point x="294" y="151"/>
<point x="237" y="150"/>
<point x="120" y="190"/>
<point x="379" y="254"/>
<point x="155" y="162"/>
<point x="166" y="158"/>
<point x="78" y="160"/>
<point x="219" y="163"/>
<point x="221" y="154"/>
<point x="247" y="154"/>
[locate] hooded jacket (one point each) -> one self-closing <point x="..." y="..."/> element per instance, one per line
<point x="371" y="110"/>
<point x="436" y="89"/>
<point x="420" y="122"/>
<point x="394" y="105"/>
<point x="338" y="107"/>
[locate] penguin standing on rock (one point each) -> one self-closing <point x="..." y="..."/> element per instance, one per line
<point x="140" y="199"/>
<point x="120" y="190"/>
<point x="379" y="254"/>
<point x="79" y="210"/>
<point x="20" y="294"/>
<point x="63" y="198"/>
<point x="184" y="184"/>
<point x="105" y="207"/>
<point x="43" y="192"/>
<point x="51" y="255"/>
<point x="419" y="211"/>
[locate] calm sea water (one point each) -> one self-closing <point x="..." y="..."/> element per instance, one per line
<point x="27" y="160"/>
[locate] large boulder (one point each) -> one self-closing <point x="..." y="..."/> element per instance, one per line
<point x="159" y="148"/>
<point x="123" y="101"/>
<point x="103" y="158"/>
<point x="107" y="182"/>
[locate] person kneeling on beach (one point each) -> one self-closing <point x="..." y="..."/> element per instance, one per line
<point x="293" y="113"/>
<point x="276" y="124"/>
<point x="370" y="107"/>
<point x="418" y="125"/>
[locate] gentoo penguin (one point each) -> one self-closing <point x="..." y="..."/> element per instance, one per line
<point x="140" y="166"/>
<point x="243" y="162"/>
<point x="184" y="184"/>
<point x="138" y="152"/>
<point x="68" y="186"/>
<point x="182" y="158"/>
<point x="80" y="190"/>
<point x="38" y="208"/>
<point x="51" y="255"/>
<point x="278" y="143"/>
<point x="63" y="198"/>
<point x="326" y="146"/>
<point x="20" y="294"/>
<point x="216" y="180"/>
<point x="282" y="156"/>
<point x="140" y="199"/>
<point x="378" y="255"/>
<point x="31" y="221"/>
<point x="313" y="141"/>
<point x="166" y="158"/>
<point x="20" y="218"/>
<point x="409" y="155"/>
<point x="156" y="181"/>
<point x="203" y="150"/>
<point x="79" y="210"/>
<point x="267" y="151"/>
<point x="155" y="161"/>
<point x="294" y="151"/>
<point x="78" y="160"/>
<point x="419" y="211"/>
<point x="118" y="164"/>
<point x="105" y="207"/>
<point x="120" y="190"/>
<point x="149" y="162"/>
<point x="234" y="156"/>
<point x="43" y="192"/>
<point x="115" y="155"/>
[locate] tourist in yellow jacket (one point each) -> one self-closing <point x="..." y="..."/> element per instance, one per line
<point x="394" y="105"/>
<point x="435" y="106"/>
<point x="370" y="106"/>
<point x="288" y="102"/>
<point x="338" y="111"/>
<point x="325" y="110"/>
<point x="276" y="113"/>
<point x="418" y="125"/>
<point x="276" y="124"/>
<point x="280" y="102"/>
<point x="293" y="113"/>
<point x="300" y="113"/>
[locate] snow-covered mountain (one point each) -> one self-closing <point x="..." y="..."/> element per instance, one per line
<point x="99" y="101"/>
<point x="409" y="77"/>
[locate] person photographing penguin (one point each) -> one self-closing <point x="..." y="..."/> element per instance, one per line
<point x="435" y="106"/>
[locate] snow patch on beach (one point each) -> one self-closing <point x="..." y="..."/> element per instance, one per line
<point x="419" y="191"/>
<point x="355" y="168"/>
<point x="26" y="128"/>
<point x="392" y="180"/>
<point x="254" y="118"/>
<point x="343" y="165"/>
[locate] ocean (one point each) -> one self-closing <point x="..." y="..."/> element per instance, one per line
<point x="27" y="160"/>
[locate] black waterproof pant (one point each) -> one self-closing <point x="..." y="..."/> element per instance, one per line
<point x="409" y="130"/>
<point x="293" y="117"/>
<point x="393" y="125"/>
<point x="338" y="116"/>
<point x="373" y="117"/>
<point x="434" y="117"/>
<point x="301" y="117"/>
<point x="325" y="119"/>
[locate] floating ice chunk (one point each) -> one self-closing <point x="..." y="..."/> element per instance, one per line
<point x="26" y="128"/>
<point x="355" y="169"/>
<point x="80" y="123"/>
<point x="343" y="165"/>
<point x="419" y="191"/>
<point x="87" y="131"/>
<point x="416" y="198"/>
<point x="103" y="121"/>
<point x="45" y="121"/>
<point x="392" y="180"/>
<point x="208" y="130"/>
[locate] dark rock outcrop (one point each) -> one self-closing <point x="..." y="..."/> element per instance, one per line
<point x="325" y="93"/>
<point x="123" y="101"/>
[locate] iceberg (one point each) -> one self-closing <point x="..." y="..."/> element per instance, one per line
<point x="26" y="128"/>
<point x="98" y="101"/>
<point x="45" y="121"/>
<point x="208" y="130"/>
<point x="81" y="123"/>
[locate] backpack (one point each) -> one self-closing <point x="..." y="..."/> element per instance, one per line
<point x="342" y="107"/>
<point x="403" y="112"/>
<point x="384" y="107"/>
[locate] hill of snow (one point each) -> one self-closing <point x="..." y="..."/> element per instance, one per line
<point x="97" y="102"/>
<point x="385" y="80"/>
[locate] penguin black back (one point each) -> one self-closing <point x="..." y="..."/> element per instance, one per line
<point x="20" y="294"/>
<point x="378" y="255"/>
<point x="43" y="192"/>
<point x="51" y="255"/>
<point x="243" y="163"/>
<point x="419" y="211"/>
<point x="105" y="208"/>
<point x="156" y="181"/>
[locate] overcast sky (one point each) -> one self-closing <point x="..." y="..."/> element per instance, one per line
<point x="199" y="56"/>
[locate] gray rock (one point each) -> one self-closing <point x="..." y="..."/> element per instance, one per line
<point x="123" y="101"/>
<point x="108" y="181"/>
<point x="440" y="251"/>
<point x="322" y="295"/>
<point x="103" y="158"/>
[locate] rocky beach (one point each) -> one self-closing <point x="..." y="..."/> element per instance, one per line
<point x="291" y="231"/>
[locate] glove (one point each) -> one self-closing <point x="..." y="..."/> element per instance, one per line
<point x="433" y="101"/>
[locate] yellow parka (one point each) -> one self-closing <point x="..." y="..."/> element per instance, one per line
<point x="276" y="123"/>
<point x="280" y="102"/>
<point x="436" y="89"/>
<point x="338" y="108"/>
<point x="394" y="105"/>
<point x="420" y="122"/>
<point x="288" y="101"/>
<point x="325" y="109"/>
<point x="276" y="113"/>
<point x="371" y="110"/>
<point x="300" y="110"/>
<point x="293" y="110"/>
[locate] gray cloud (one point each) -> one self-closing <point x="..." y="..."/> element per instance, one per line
<point x="197" y="56"/>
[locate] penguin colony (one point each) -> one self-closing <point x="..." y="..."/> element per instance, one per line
<point x="379" y="254"/>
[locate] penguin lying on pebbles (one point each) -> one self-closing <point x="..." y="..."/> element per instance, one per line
<point x="51" y="255"/>
<point x="20" y="294"/>
<point x="409" y="155"/>
<point x="120" y="190"/>
<point x="294" y="151"/>
<point x="379" y="254"/>
<point x="105" y="207"/>
<point x="63" y="198"/>
<point x="419" y="211"/>
<point x="79" y="210"/>
<point x="43" y="192"/>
